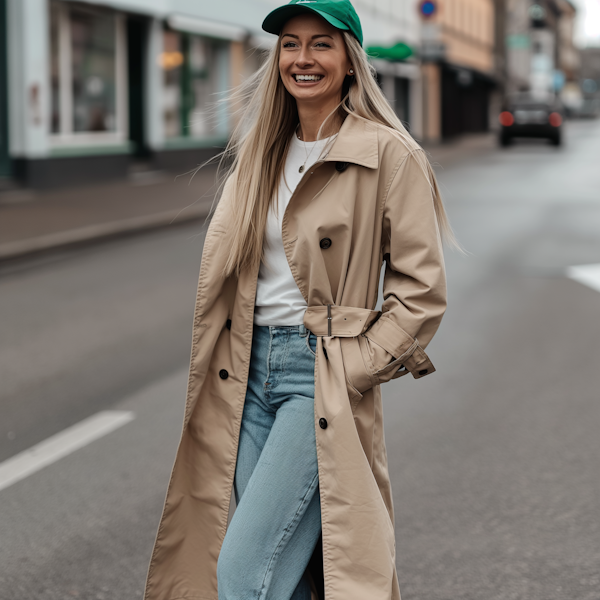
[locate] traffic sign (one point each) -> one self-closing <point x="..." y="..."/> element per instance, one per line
<point x="427" y="8"/>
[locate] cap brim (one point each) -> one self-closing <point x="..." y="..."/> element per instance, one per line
<point x="276" y="19"/>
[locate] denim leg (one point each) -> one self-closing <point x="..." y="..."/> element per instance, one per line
<point x="306" y="536"/>
<point x="271" y="515"/>
<point x="258" y="417"/>
<point x="278" y="520"/>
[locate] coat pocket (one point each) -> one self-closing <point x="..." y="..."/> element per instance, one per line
<point x="358" y="356"/>
<point x="367" y="364"/>
<point x="392" y="370"/>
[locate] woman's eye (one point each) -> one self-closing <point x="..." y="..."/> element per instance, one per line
<point x="288" y="44"/>
<point x="322" y="45"/>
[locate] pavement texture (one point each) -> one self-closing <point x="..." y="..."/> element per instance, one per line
<point x="33" y="222"/>
<point x="494" y="460"/>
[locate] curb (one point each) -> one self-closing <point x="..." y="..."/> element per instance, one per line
<point x="98" y="232"/>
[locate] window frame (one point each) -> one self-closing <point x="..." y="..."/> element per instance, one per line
<point x="66" y="137"/>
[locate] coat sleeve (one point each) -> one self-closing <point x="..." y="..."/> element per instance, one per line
<point x="414" y="288"/>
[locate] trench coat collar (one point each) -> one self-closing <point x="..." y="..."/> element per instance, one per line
<point x="356" y="143"/>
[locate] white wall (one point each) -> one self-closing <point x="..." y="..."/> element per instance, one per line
<point x="153" y="94"/>
<point x="28" y="100"/>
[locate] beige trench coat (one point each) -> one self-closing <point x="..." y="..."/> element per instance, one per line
<point x="365" y="202"/>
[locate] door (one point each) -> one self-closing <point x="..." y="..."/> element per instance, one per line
<point x="137" y="40"/>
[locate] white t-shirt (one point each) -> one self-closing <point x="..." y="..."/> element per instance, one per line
<point x="278" y="299"/>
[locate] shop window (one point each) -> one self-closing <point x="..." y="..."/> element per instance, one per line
<point x="171" y="62"/>
<point x="88" y="79"/>
<point x="195" y="73"/>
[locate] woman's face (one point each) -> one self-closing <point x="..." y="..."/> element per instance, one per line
<point x="313" y="61"/>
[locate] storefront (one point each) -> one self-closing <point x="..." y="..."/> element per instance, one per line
<point x="95" y="87"/>
<point x="69" y="81"/>
<point x="196" y="71"/>
<point x="465" y="100"/>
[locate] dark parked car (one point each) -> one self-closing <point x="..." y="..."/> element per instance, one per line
<point x="528" y="116"/>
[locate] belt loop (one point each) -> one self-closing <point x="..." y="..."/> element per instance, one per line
<point x="302" y="330"/>
<point x="329" y="320"/>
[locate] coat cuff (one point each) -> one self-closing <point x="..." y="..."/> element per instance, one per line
<point x="404" y="348"/>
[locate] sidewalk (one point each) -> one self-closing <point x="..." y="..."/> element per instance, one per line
<point x="36" y="221"/>
<point x="469" y="145"/>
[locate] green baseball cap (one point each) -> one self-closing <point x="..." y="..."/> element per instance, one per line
<point x="339" y="13"/>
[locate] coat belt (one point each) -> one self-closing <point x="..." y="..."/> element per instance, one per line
<point x="339" y="321"/>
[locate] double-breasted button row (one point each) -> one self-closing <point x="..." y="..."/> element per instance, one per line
<point x="325" y="243"/>
<point x="223" y="373"/>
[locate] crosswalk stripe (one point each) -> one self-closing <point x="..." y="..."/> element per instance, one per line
<point x="586" y="274"/>
<point x="60" y="445"/>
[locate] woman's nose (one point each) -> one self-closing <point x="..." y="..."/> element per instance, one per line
<point x="304" y="58"/>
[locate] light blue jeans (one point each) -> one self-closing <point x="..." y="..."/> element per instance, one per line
<point x="277" y="521"/>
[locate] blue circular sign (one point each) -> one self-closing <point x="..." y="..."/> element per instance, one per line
<point x="427" y="8"/>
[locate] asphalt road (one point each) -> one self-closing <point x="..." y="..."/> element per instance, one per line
<point x="495" y="459"/>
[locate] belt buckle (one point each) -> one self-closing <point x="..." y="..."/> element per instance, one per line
<point x="329" y="320"/>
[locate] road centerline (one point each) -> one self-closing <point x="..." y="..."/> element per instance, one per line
<point x="62" y="444"/>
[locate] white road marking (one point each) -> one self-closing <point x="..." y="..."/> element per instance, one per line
<point x="586" y="274"/>
<point x="60" y="445"/>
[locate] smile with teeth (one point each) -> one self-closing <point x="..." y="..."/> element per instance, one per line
<point x="308" y="77"/>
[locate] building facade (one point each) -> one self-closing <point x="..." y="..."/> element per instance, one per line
<point x="92" y="86"/>
<point x="541" y="55"/>
<point x="459" y="66"/>
<point x="590" y="82"/>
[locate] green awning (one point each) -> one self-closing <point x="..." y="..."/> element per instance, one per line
<point x="397" y="52"/>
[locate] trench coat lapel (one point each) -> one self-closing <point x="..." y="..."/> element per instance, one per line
<point x="356" y="143"/>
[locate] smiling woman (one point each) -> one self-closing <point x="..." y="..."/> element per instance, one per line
<point x="284" y="407"/>
<point x="313" y="67"/>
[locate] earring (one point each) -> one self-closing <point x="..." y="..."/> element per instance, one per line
<point x="351" y="71"/>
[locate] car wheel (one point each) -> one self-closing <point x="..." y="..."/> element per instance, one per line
<point x="505" y="140"/>
<point x="556" y="139"/>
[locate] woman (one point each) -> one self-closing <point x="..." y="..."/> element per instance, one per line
<point x="284" y="405"/>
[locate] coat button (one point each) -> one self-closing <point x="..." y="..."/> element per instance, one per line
<point x="323" y="423"/>
<point x="340" y="167"/>
<point x="223" y="374"/>
<point x="423" y="372"/>
<point x="228" y="324"/>
<point x="325" y="243"/>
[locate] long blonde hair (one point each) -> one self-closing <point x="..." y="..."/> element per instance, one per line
<point x="259" y="144"/>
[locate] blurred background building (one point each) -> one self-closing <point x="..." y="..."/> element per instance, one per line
<point x="92" y="87"/>
<point x="590" y="82"/>
<point x="90" y="90"/>
<point x="540" y="50"/>
<point x="458" y="40"/>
